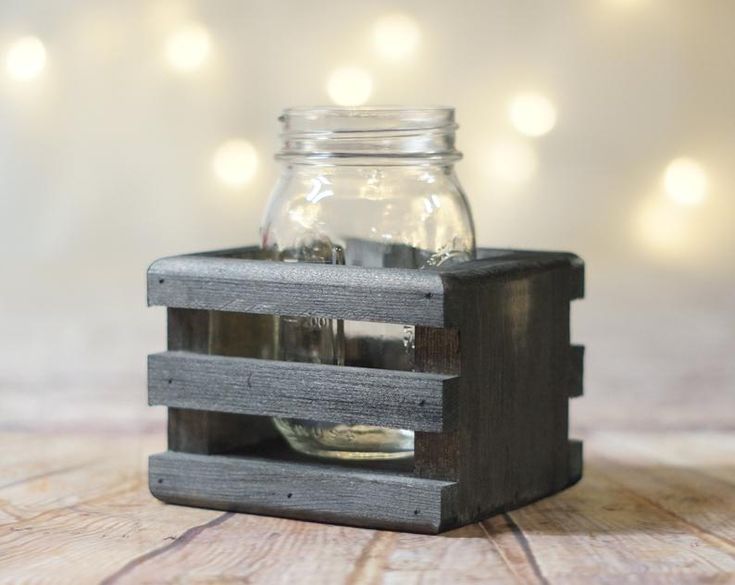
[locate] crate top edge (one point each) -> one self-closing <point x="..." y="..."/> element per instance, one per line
<point x="212" y="265"/>
<point x="229" y="280"/>
<point x="495" y="260"/>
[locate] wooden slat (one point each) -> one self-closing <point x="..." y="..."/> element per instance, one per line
<point x="239" y="280"/>
<point x="393" y="295"/>
<point x="340" y="394"/>
<point x="299" y="490"/>
<point x="576" y="371"/>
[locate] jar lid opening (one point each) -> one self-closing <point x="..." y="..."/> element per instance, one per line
<point x="401" y="133"/>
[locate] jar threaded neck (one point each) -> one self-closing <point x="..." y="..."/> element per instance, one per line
<point x="395" y="135"/>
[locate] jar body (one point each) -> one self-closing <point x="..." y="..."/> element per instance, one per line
<point x="332" y="211"/>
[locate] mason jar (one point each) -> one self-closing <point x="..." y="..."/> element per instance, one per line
<point x="367" y="186"/>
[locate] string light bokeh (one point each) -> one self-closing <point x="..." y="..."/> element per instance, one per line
<point x="234" y="162"/>
<point x="532" y="114"/>
<point x="686" y="181"/>
<point x="25" y="59"/>
<point x="188" y="47"/>
<point x="131" y="131"/>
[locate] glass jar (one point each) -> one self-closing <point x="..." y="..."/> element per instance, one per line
<point x="368" y="186"/>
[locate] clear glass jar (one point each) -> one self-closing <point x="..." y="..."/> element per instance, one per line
<point x="369" y="186"/>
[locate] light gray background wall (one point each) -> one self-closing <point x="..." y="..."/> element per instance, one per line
<point x="105" y="164"/>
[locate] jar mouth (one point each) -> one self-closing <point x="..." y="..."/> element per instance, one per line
<point x="401" y="134"/>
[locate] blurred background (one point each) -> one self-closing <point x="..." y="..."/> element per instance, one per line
<point x="133" y="130"/>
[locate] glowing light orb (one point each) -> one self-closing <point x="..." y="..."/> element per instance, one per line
<point x="26" y="59"/>
<point x="663" y="228"/>
<point x="532" y="114"/>
<point x="396" y="36"/>
<point x="234" y="163"/>
<point x="511" y="162"/>
<point x="188" y="47"/>
<point x="685" y="181"/>
<point x="349" y="86"/>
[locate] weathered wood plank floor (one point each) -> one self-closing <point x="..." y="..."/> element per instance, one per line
<point x="653" y="507"/>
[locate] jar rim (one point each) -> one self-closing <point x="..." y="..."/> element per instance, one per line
<point x="375" y="108"/>
<point x="365" y="118"/>
<point x="386" y="131"/>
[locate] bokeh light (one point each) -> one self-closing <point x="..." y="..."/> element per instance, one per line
<point x="532" y="114"/>
<point x="512" y="162"/>
<point x="188" y="47"/>
<point x="234" y="163"/>
<point x="350" y="86"/>
<point x="25" y="59"/>
<point x="664" y="229"/>
<point x="396" y="36"/>
<point x="685" y="181"/>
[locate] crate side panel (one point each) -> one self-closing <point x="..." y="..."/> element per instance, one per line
<point x="514" y="395"/>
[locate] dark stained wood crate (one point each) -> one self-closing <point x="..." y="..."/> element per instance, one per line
<point x="488" y="396"/>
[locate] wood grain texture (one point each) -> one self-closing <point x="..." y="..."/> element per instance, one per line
<point x="437" y="454"/>
<point x="300" y="490"/>
<point x="513" y="447"/>
<point x="393" y="295"/>
<point x="500" y="429"/>
<point x="231" y="280"/>
<point x="654" y="507"/>
<point x="338" y="394"/>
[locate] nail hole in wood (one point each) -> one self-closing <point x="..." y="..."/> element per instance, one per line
<point x="161" y="280"/>
<point x="415" y="512"/>
<point x="289" y="495"/>
<point x="422" y="402"/>
<point x="160" y="480"/>
<point x="427" y="295"/>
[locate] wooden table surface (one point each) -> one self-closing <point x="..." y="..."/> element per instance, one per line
<point x="653" y="506"/>
<point x="656" y="504"/>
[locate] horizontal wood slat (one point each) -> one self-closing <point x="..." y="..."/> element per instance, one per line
<point x="241" y="280"/>
<point x="340" y="394"/>
<point x="395" y="295"/>
<point x="326" y="493"/>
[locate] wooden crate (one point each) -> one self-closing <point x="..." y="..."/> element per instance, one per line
<point x="494" y="371"/>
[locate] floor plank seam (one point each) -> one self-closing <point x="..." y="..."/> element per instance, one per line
<point x="526" y="547"/>
<point x="371" y="560"/>
<point x="703" y="533"/>
<point x="45" y="474"/>
<point x="186" y="537"/>
<point x="501" y="552"/>
<point x="135" y="484"/>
